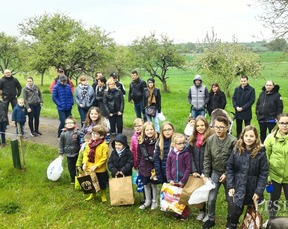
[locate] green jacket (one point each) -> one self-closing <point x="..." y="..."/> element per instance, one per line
<point x="277" y="154"/>
<point x="217" y="154"/>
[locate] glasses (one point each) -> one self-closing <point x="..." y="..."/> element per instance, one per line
<point x="138" y="126"/>
<point x="168" y="129"/>
<point x="283" y="123"/>
<point x="69" y="123"/>
<point x="180" y="143"/>
<point x="219" y="127"/>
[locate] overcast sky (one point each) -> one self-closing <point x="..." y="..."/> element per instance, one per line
<point x="180" y="20"/>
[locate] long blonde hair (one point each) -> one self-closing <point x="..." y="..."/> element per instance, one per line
<point x="142" y="136"/>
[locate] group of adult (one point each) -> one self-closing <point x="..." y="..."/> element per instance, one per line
<point x="268" y="106"/>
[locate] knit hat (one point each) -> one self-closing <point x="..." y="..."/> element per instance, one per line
<point x="120" y="138"/>
<point x="150" y="80"/>
<point x="63" y="78"/>
<point x="60" y="70"/>
<point x="113" y="74"/>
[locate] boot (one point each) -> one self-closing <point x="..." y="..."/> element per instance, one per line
<point x="147" y="190"/>
<point x="103" y="195"/>
<point x="154" y="196"/>
<point x="91" y="197"/>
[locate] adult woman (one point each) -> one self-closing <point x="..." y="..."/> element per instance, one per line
<point x="276" y="145"/>
<point x="84" y="97"/>
<point x="217" y="98"/>
<point x="33" y="101"/>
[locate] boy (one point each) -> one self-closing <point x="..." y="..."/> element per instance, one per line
<point x="217" y="151"/>
<point x="19" y="116"/>
<point x="95" y="159"/>
<point x="79" y="163"/>
<point x="69" y="144"/>
<point x="121" y="161"/>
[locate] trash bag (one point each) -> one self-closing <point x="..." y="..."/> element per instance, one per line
<point x="161" y="117"/>
<point x="55" y="169"/>
<point x="201" y="194"/>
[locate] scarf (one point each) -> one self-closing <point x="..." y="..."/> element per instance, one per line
<point x="92" y="145"/>
<point x="84" y="93"/>
<point x="200" y="140"/>
<point x="30" y="87"/>
<point x="151" y="97"/>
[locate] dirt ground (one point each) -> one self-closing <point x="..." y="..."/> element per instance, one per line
<point x="48" y="127"/>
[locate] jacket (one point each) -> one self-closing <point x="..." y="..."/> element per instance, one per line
<point x="19" y="114"/>
<point x="62" y="96"/>
<point x="145" y="153"/>
<point x="160" y="163"/>
<point x="10" y="87"/>
<point x="69" y="143"/>
<point x="32" y="95"/>
<point x="178" y="166"/>
<point x="3" y="111"/>
<point x="134" y="147"/>
<point x="247" y="176"/>
<point x="113" y="101"/>
<point x="197" y="158"/>
<point x="98" y="102"/>
<point x="216" y="100"/>
<point x="157" y="94"/>
<point x="86" y="100"/>
<point x="269" y="105"/>
<point x="198" y="95"/>
<point x="243" y="97"/>
<point x="277" y="154"/>
<point x="136" y="89"/>
<point x="217" y="154"/>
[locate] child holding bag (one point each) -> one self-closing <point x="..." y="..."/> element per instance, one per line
<point x="178" y="167"/>
<point x="145" y="152"/>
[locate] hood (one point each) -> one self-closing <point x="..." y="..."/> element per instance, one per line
<point x="274" y="90"/>
<point x="120" y="138"/>
<point x="197" y="77"/>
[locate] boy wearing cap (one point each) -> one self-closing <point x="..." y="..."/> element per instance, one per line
<point x="119" y="85"/>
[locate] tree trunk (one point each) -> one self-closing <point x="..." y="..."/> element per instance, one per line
<point x="165" y="88"/>
<point x="42" y="78"/>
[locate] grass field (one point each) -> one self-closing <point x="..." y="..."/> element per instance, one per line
<point x="30" y="200"/>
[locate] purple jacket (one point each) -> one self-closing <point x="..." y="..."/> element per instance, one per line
<point x="178" y="166"/>
<point x="145" y="153"/>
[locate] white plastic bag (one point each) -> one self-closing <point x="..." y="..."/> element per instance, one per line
<point x="200" y="195"/>
<point x="161" y="117"/>
<point x="55" y="169"/>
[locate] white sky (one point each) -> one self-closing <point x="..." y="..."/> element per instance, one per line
<point x="181" y="20"/>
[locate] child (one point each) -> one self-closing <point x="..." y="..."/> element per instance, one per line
<point x="137" y="123"/>
<point x="197" y="142"/>
<point x="218" y="149"/>
<point x="94" y="117"/>
<point x="69" y="144"/>
<point x="19" y="116"/>
<point x="95" y="159"/>
<point x="145" y="152"/>
<point x="178" y="166"/>
<point x="79" y="163"/>
<point x="247" y="172"/>
<point x="3" y="120"/>
<point x="161" y="151"/>
<point x="120" y="162"/>
<point x="189" y="127"/>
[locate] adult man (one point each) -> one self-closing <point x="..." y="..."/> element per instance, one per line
<point x="54" y="82"/>
<point x="198" y="97"/>
<point x="11" y="88"/>
<point x="243" y="99"/>
<point x="136" y="90"/>
<point x="269" y="105"/>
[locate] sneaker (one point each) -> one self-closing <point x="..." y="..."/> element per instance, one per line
<point x="200" y="216"/>
<point x="184" y="217"/>
<point x="208" y="224"/>
<point x="264" y="225"/>
<point x="145" y="205"/>
<point x="205" y="218"/>
<point x="32" y="134"/>
<point x="227" y="225"/>
<point x="154" y="205"/>
<point x="37" y="132"/>
<point x="176" y="216"/>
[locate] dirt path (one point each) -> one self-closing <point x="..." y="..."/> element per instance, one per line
<point x="48" y="127"/>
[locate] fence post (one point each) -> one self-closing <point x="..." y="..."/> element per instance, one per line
<point x="16" y="154"/>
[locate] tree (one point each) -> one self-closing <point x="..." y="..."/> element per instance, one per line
<point x="226" y="62"/>
<point x="279" y="44"/>
<point x="157" y="56"/>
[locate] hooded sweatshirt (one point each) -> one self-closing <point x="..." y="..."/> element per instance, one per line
<point x="198" y="95"/>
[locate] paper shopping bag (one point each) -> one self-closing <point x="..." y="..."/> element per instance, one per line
<point x="89" y="183"/>
<point x="121" y="191"/>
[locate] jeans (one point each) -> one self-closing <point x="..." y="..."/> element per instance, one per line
<point x="33" y="117"/>
<point x="213" y="197"/>
<point x="155" y="121"/>
<point x="239" y="125"/>
<point x="20" y="127"/>
<point x="3" y="126"/>
<point x="195" y="113"/>
<point x="82" y="111"/>
<point x="138" y="107"/>
<point x="71" y="162"/>
<point x="263" y="129"/>
<point x="116" y="120"/>
<point x="62" y="116"/>
<point x="237" y="212"/>
<point x="274" y="204"/>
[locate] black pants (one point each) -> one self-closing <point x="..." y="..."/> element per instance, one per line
<point x="71" y="161"/>
<point x="116" y="120"/>
<point x="34" y="116"/>
<point x="239" y="125"/>
<point x="237" y="212"/>
<point x="274" y="204"/>
<point x="263" y="129"/>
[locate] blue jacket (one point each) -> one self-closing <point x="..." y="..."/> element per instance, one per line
<point x="19" y="114"/>
<point x="62" y="96"/>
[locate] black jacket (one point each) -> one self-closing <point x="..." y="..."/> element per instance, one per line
<point x="243" y="97"/>
<point x="247" y="176"/>
<point x="3" y="111"/>
<point x="136" y="90"/>
<point x="269" y="105"/>
<point x="113" y="101"/>
<point x="216" y="100"/>
<point x="10" y="87"/>
<point x="157" y="95"/>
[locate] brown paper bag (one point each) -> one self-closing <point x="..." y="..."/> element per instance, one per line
<point x="192" y="184"/>
<point x="121" y="191"/>
<point x="89" y="183"/>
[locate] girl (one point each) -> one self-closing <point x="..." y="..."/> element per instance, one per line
<point x="84" y="97"/>
<point x="145" y="152"/>
<point x="247" y="172"/>
<point x="94" y="117"/>
<point x="138" y="123"/>
<point x="217" y="98"/>
<point x="33" y="101"/>
<point x="161" y="151"/>
<point x="178" y="166"/>
<point x="276" y="145"/>
<point x="189" y="127"/>
<point x="197" y="142"/>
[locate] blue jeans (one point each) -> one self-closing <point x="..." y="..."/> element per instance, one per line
<point x="33" y="116"/>
<point x="82" y="112"/>
<point x="20" y="127"/>
<point x="3" y="126"/>
<point x="62" y="116"/>
<point x="195" y="113"/>
<point x="155" y="121"/>
<point x="138" y="107"/>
